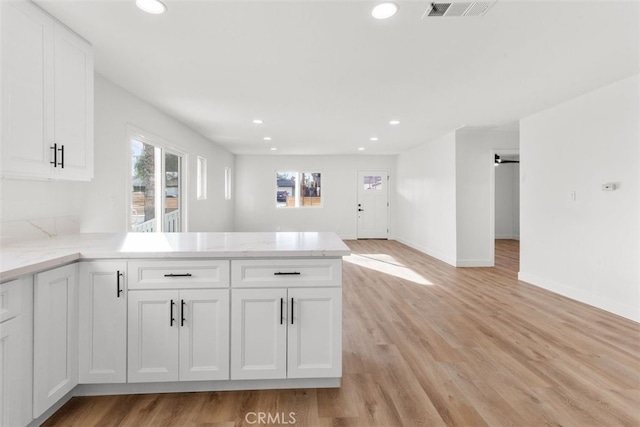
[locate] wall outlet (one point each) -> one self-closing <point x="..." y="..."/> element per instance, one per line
<point x="609" y="186"/>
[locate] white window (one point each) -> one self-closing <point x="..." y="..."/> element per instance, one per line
<point x="156" y="186"/>
<point x="201" y="178"/>
<point x="227" y="183"/>
<point x="298" y="189"/>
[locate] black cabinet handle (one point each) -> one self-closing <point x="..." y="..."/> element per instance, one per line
<point x="55" y="155"/>
<point x="182" y="305"/>
<point x="61" y="150"/>
<point x="119" y="287"/>
<point x="292" y="311"/>
<point x="171" y="314"/>
<point x="286" y="273"/>
<point x="281" y="310"/>
<point x="178" y="275"/>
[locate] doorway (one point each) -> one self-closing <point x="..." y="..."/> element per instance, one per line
<point x="373" y="204"/>
<point x="506" y="199"/>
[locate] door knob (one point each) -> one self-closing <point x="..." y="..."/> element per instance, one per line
<point x="360" y="210"/>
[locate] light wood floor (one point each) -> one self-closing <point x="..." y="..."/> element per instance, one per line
<point x="474" y="347"/>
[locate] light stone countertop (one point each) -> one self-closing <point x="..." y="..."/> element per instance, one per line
<point x="20" y="259"/>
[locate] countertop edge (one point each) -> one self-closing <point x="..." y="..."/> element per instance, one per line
<point x="55" y="258"/>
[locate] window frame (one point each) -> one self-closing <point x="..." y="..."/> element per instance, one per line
<point x="227" y="183"/>
<point x="201" y="178"/>
<point x="166" y="147"/>
<point x="296" y="192"/>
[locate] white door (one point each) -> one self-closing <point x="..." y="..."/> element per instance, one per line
<point x="204" y="334"/>
<point x="73" y="105"/>
<point x="373" y="204"/>
<point x="258" y="333"/>
<point x="154" y="322"/>
<point x="55" y="345"/>
<point x="103" y="323"/>
<point x="27" y="90"/>
<point x="315" y="333"/>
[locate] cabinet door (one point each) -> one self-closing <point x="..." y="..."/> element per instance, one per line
<point x="258" y="333"/>
<point x="27" y="90"/>
<point x="73" y="112"/>
<point x="154" y="321"/>
<point x="55" y="343"/>
<point x="204" y="334"/>
<point x="103" y="323"/>
<point x="10" y="370"/>
<point x="315" y="333"/>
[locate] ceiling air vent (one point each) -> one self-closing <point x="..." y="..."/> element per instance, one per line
<point x="456" y="9"/>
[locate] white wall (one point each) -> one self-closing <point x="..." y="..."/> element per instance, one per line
<point x="507" y="201"/>
<point x="587" y="248"/>
<point x="474" y="193"/>
<point x="255" y="192"/>
<point x="100" y="205"/>
<point x="425" y="212"/>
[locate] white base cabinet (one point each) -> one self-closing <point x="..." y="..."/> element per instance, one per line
<point x="286" y="318"/>
<point x="55" y="362"/>
<point x="178" y="335"/>
<point x="258" y="334"/>
<point x="102" y="340"/>
<point x="286" y="333"/>
<point x="266" y="323"/>
<point x="314" y="333"/>
<point x="16" y="345"/>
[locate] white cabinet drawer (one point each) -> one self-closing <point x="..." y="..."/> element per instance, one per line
<point x="10" y="294"/>
<point x="165" y="274"/>
<point x="286" y="272"/>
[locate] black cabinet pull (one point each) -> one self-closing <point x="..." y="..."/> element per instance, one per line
<point x="292" y="311"/>
<point x="119" y="287"/>
<point x="281" y="310"/>
<point x="178" y="275"/>
<point x="182" y="304"/>
<point x="171" y="314"/>
<point x="61" y="150"/>
<point x="286" y="273"/>
<point x="55" y="155"/>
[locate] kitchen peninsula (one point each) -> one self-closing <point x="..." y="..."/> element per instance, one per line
<point x="161" y="312"/>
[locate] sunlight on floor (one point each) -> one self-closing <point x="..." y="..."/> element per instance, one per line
<point x="384" y="263"/>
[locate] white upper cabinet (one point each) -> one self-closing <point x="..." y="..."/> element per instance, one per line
<point x="47" y="97"/>
<point x="73" y="105"/>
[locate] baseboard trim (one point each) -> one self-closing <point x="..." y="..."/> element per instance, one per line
<point x="628" y="312"/>
<point x="426" y="250"/>
<point x="193" y="386"/>
<point x="474" y="263"/>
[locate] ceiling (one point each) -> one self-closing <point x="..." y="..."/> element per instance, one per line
<point x="326" y="77"/>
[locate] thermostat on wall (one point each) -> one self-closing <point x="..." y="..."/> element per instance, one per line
<point x="609" y="186"/>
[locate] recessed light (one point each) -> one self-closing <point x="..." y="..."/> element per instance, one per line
<point x="373" y="138"/>
<point x="384" y="10"/>
<point x="394" y="122"/>
<point x="360" y="148"/>
<point x="151" y="6"/>
<point x="267" y="138"/>
<point x="273" y="148"/>
<point x="258" y="121"/>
